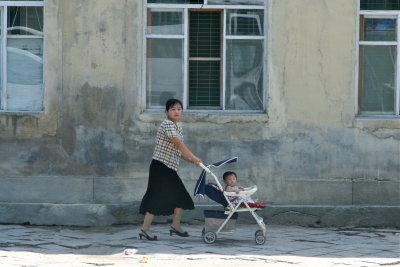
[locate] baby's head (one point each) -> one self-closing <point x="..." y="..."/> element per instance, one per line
<point x="230" y="178"/>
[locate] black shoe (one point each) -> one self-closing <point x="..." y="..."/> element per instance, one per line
<point x="174" y="231"/>
<point x="144" y="234"/>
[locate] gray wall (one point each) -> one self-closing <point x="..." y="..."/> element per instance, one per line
<point x="84" y="160"/>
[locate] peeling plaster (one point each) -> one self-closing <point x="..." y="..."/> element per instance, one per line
<point x="383" y="133"/>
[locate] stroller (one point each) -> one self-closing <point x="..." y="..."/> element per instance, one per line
<point x="225" y="221"/>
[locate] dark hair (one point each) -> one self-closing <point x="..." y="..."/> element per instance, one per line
<point x="226" y="174"/>
<point x="171" y="102"/>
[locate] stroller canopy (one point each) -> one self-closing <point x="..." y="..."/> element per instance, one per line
<point x="199" y="189"/>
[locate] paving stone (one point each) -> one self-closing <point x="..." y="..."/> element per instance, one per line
<point x="285" y="246"/>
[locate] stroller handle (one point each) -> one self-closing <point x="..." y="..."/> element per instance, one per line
<point x="204" y="167"/>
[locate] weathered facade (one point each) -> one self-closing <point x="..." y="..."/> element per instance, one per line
<point x="84" y="159"/>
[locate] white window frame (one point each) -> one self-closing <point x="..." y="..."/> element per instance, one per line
<point x="185" y="37"/>
<point x="3" y="39"/>
<point x="378" y="14"/>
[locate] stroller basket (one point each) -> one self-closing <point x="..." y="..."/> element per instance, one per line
<point x="215" y="218"/>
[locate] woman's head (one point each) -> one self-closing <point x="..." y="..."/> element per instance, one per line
<point x="173" y="109"/>
<point x="172" y="102"/>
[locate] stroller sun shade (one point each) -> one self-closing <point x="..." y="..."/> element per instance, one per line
<point x="200" y="189"/>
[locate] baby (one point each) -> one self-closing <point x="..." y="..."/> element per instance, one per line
<point x="230" y="179"/>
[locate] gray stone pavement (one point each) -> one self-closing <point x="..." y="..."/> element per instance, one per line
<point x="31" y="246"/>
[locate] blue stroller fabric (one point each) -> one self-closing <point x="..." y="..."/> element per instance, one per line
<point x="199" y="189"/>
<point x="212" y="191"/>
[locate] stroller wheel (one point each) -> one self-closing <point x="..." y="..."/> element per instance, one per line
<point x="259" y="237"/>
<point x="209" y="237"/>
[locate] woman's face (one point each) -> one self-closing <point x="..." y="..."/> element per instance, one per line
<point x="175" y="112"/>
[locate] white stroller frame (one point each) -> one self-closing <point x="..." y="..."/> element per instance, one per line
<point x="210" y="236"/>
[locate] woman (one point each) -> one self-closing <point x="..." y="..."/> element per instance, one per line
<point x="166" y="194"/>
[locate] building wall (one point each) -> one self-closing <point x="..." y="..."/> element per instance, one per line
<point x="84" y="160"/>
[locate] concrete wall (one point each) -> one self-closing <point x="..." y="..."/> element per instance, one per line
<point x="84" y="160"/>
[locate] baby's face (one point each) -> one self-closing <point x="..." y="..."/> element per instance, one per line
<point x="230" y="180"/>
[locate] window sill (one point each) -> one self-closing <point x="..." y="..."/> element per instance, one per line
<point x="376" y="122"/>
<point x="377" y="117"/>
<point x="20" y="113"/>
<point x="212" y="116"/>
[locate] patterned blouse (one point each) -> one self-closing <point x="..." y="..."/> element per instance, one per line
<point x="165" y="151"/>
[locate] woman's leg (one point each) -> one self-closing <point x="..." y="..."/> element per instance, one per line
<point x="148" y="219"/>
<point x="176" y="221"/>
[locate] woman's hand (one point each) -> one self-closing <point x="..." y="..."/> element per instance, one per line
<point x="196" y="160"/>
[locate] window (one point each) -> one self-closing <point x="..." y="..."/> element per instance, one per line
<point x="21" y="50"/>
<point x="208" y="53"/>
<point x="378" y="72"/>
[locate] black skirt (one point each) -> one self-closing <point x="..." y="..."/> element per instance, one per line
<point x="165" y="191"/>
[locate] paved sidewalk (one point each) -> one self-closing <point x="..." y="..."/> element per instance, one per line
<point x="285" y="246"/>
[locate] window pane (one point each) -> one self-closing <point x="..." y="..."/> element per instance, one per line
<point x="164" y="70"/>
<point x="25" y="21"/>
<point x="204" y="59"/>
<point x="236" y="2"/>
<point x="244" y="22"/>
<point x="164" y="22"/>
<point x="205" y="34"/>
<point x="176" y="1"/>
<point x="377" y="89"/>
<point x="379" y="30"/>
<point x="204" y="84"/>
<point x="380" y="5"/>
<point x="25" y="74"/>
<point x="244" y="79"/>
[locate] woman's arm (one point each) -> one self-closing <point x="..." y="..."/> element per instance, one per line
<point x="186" y="153"/>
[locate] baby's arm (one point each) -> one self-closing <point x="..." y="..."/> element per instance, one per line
<point x="232" y="189"/>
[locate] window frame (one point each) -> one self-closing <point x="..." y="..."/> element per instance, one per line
<point x="377" y="14"/>
<point x="3" y="59"/>
<point x="185" y="37"/>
